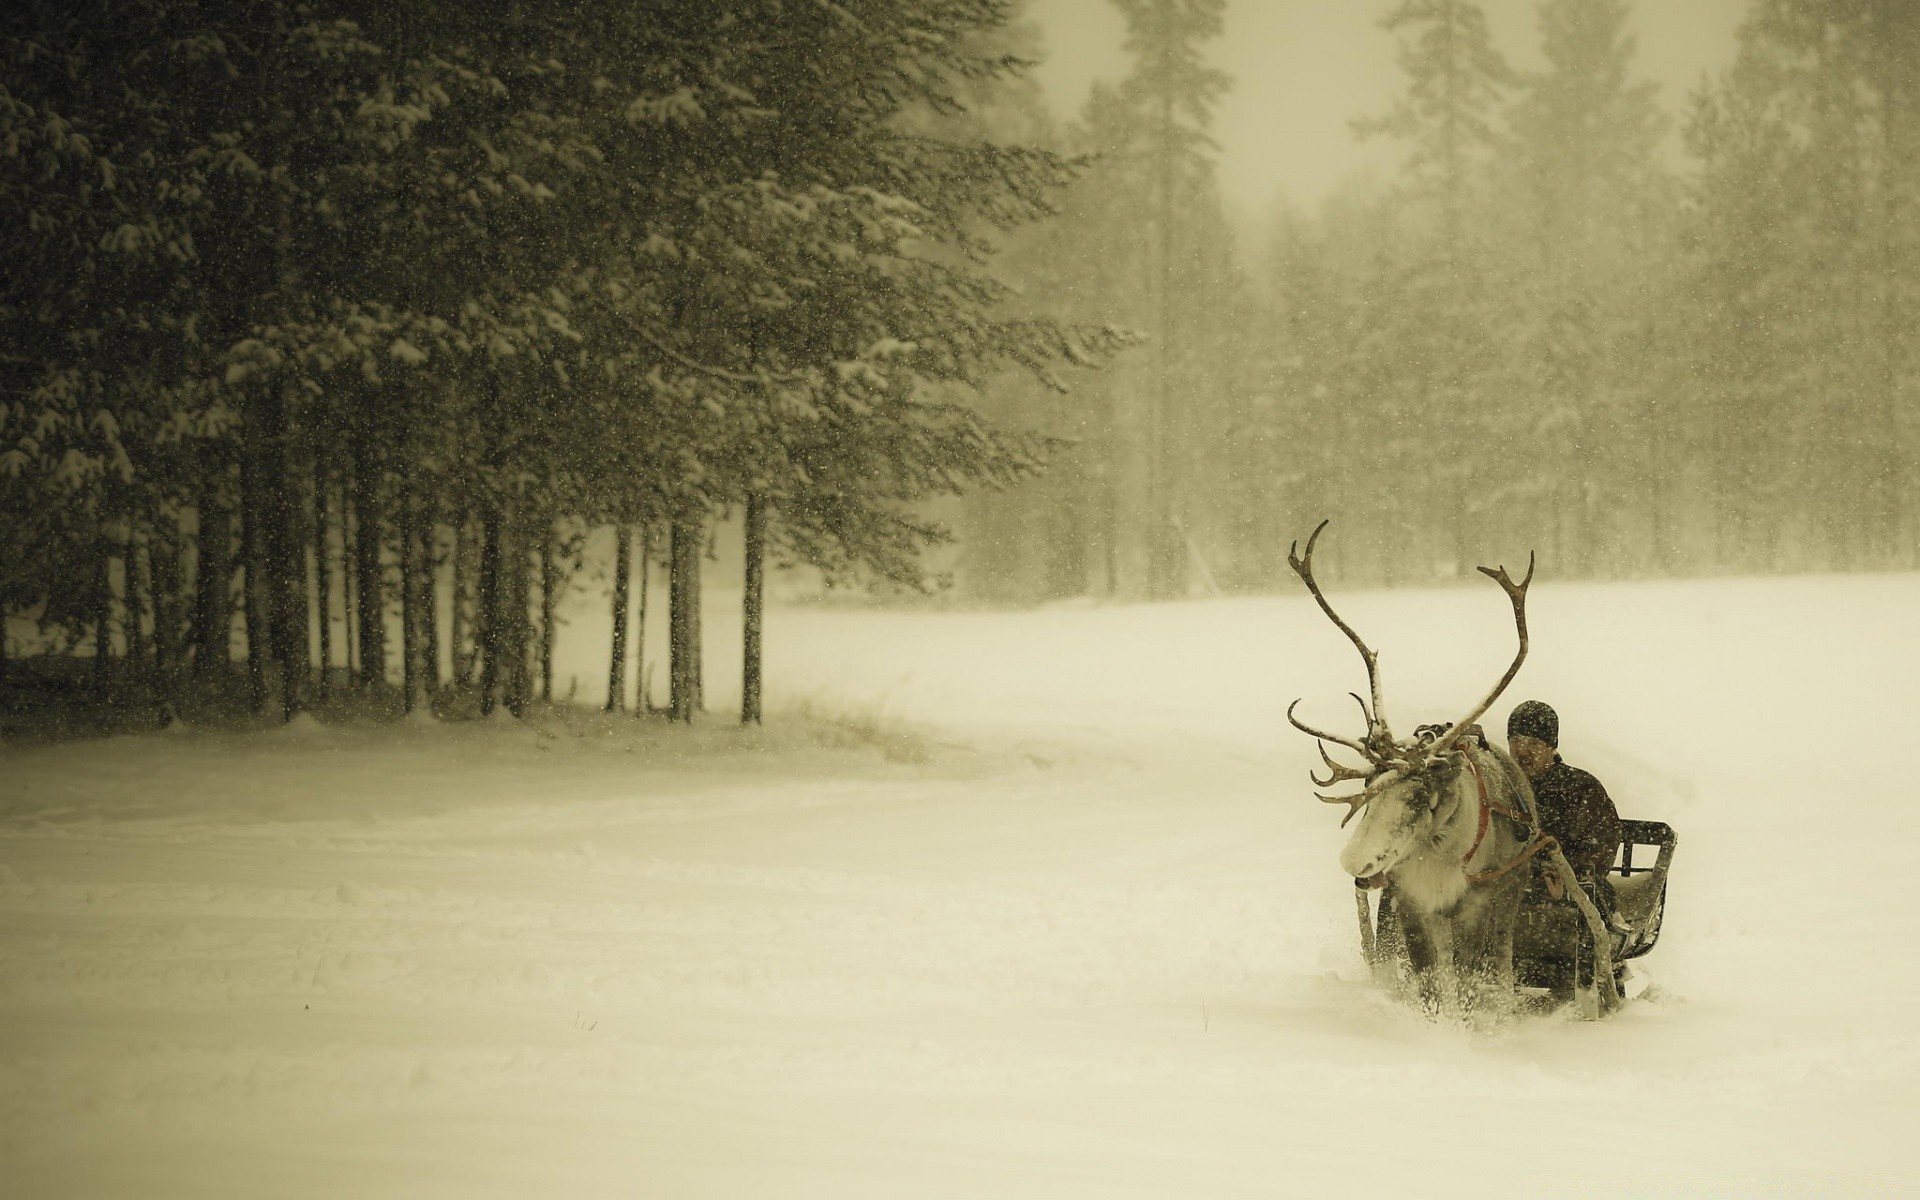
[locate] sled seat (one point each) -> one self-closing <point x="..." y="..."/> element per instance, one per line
<point x="1633" y="896"/>
<point x="1640" y="890"/>
<point x="1636" y="899"/>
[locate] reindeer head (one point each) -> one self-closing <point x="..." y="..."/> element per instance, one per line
<point x="1406" y="783"/>
<point x="1402" y="811"/>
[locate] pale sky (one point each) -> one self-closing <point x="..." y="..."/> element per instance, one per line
<point x="1303" y="69"/>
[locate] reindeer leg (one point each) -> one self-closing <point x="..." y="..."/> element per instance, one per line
<point x="1430" y="955"/>
<point x="1423" y="955"/>
<point x="1390" y="942"/>
<point x="1449" y="983"/>
<point x="1493" y="973"/>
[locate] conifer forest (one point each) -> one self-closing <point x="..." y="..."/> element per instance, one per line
<point x="331" y="332"/>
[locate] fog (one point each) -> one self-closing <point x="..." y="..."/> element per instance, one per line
<point x="1618" y="283"/>
<point x="1302" y="70"/>
<point x="696" y="597"/>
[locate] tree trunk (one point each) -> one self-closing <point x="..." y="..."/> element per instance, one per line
<point x="487" y="632"/>
<point x="1892" y="68"/>
<point x="102" y="612"/>
<point x="134" y="587"/>
<point x="276" y="566"/>
<point x="254" y="602"/>
<point x="1166" y="564"/>
<point x="322" y="579"/>
<point x="753" y="602"/>
<point x="409" y="604"/>
<point x="696" y="644"/>
<point x="349" y="579"/>
<point x="617" y="661"/>
<point x="549" y="600"/>
<point x="287" y="582"/>
<point x="683" y="619"/>
<point x="372" y="606"/>
<point x="457" y="610"/>
<point x="163" y="551"/>
<point x="285" y="545"/>
<point x="429" y="533"/>
<point x="213" y="581"/>
<point x="516" y="559"/>
<point x="642" y="694"/>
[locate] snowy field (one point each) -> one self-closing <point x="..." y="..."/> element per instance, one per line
<point x="1031" y="905"/>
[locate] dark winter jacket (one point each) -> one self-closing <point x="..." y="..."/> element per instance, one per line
<point x="1577" y="811"/>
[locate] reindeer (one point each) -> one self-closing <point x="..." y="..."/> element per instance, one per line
<point x="1448" y="819"/>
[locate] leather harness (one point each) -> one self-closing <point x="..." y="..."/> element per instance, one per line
<point x="1539" y="842"/>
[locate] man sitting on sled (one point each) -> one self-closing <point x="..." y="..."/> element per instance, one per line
<point x="1574" y="808"/>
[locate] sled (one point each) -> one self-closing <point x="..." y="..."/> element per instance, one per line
<point x="1553" y="945"/>
<point x="1554" y="950"/>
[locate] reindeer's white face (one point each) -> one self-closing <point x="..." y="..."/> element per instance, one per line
<point x="1404" y="812"/>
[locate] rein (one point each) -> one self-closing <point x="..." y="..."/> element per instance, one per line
<point x="1539" y="842"/>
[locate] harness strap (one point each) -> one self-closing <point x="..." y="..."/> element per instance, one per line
<point x="1539" y="843"/>
<point x="1487" y="809"/>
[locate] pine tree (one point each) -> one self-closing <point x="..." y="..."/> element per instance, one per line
<point x="1169" y="96"/>
<point x="1443" y="403"/>
<point x="1584" y="140"/>
<point x="596" y="260"/>
<point x="1803" y="270"/>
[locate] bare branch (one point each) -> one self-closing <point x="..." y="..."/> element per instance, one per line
<point x="692" y="364"/>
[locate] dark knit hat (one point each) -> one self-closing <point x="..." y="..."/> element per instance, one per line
<point x="1531" y="718"/>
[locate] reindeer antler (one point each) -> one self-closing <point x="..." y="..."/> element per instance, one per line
<point x="1359" y="747"/>
<point x="1378" y="746"/>
<point x="1377" y="732"/>
<point x="1337" y="772"/>
<point x="1517" y="593"/>
<point x="1354" y="804"/>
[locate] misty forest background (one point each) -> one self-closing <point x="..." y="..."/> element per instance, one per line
<point x="389" y="311"/>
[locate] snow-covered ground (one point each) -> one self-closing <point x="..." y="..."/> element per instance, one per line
<point x="1033" y="905"/>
